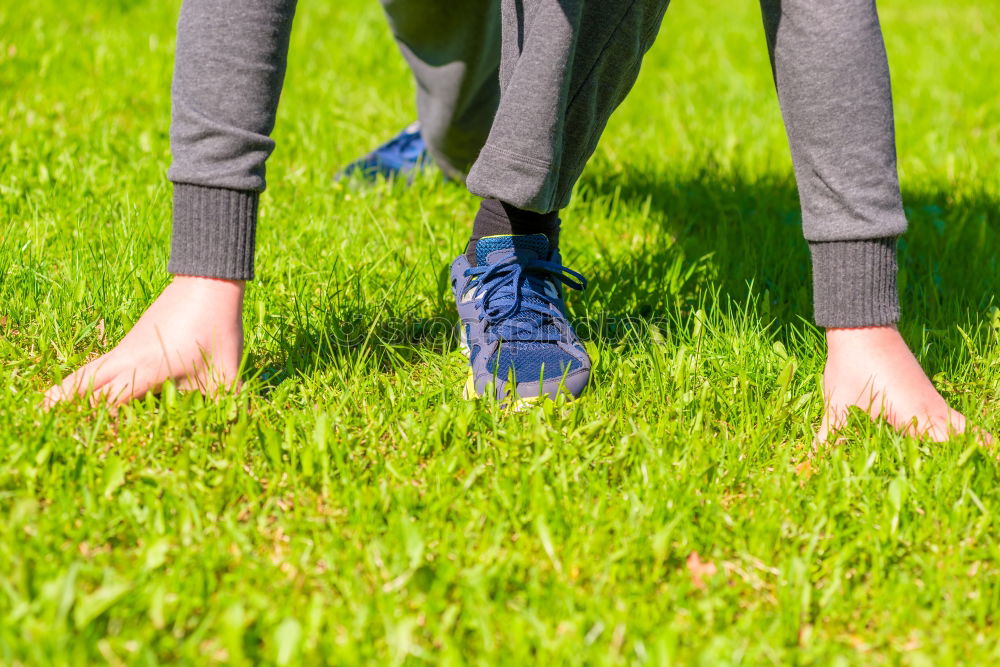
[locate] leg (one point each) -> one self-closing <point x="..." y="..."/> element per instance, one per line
<point x="229" y="69"/>
<point x="454" y="55"/>
<point x="566" y="65"/>
<point x="832" y="77"/>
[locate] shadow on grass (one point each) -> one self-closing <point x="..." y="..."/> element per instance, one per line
<point x="342" y="337"/>
<point x="744" y="238"/>
<point x="712" y="234"/>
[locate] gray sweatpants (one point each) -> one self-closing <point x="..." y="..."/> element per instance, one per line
<point x="562" y="67"/>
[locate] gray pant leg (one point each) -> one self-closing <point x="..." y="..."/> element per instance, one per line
<point x="566" y="66"/>
<point x="832" y="79"/>
<point x="453" y="50"/>
<point x="228" y="72"/>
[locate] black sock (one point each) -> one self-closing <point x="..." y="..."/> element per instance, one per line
<point x="495" y="218"/>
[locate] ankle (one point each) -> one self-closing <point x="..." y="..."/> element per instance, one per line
<point x="497" y="218"/>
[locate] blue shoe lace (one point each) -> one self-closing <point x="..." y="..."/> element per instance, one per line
<point x="512" y="300"/>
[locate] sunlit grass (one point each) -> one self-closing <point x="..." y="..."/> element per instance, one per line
<point x="350" y="507"/>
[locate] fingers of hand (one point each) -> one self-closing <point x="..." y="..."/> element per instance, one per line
<point x="123" y="388"/>
<point x="90" y="377"/>
<point x="210" y="380"/>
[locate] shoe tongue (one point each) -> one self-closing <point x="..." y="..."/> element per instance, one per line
<point x="491" y="249"/>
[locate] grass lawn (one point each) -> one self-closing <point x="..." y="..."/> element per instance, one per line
<point x="349" y="507"/>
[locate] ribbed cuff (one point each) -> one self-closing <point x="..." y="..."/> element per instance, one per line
<point x="854" y="283"/>
<point x="214" y="230"/>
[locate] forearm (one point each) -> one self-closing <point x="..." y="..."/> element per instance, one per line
<point x="455" y="58"/>
<point x="832" y="79"/>
<point x="228" y="72"/>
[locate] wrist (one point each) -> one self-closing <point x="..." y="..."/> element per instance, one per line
<point x="217" y="292"/>
<point x="844" y="340"/>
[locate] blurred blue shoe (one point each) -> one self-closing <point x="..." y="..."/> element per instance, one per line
<point x="513" y="321"/>
<point x="403" y="155"/>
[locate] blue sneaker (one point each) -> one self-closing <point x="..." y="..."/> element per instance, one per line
<point x="513" y="320"/>
<point x="401" y="155"/>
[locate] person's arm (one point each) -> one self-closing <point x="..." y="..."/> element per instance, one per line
<point x="228" y="72"/>
<point x="832" y="77"/>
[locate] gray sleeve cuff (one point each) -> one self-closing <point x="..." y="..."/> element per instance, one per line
<point x="214" y="230"/>
<point x="854" y="283"/>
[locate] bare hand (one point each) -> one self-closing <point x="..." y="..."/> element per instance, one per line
<point x="873" y="369"/>
<point x="192" y="334"/>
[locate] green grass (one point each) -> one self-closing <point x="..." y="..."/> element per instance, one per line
<point x="350" y="507"/>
